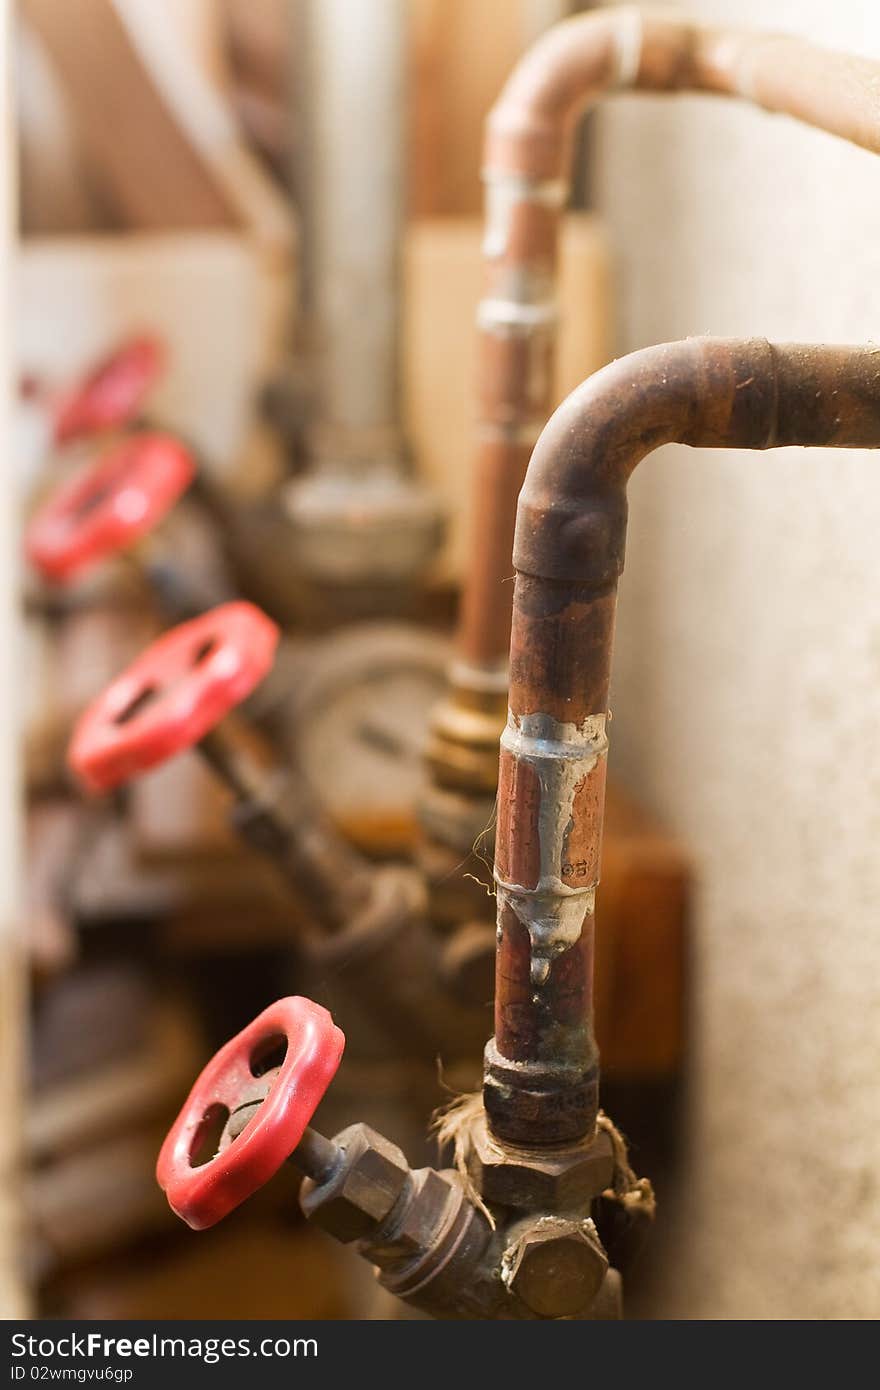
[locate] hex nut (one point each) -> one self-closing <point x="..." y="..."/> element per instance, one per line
<point x="548" y="1179"/>
<point x="555" y="1266"/>
<point x="354" y="1201"/>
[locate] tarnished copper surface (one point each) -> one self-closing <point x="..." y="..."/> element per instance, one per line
<point x="519" y="801"/>
<point x="516" y="381"/>
<point x="528" y="145"/>
<point x="546" y="1024"/>
<point x="483" y="636"/>
<point x="527" y="159"/>
<point x="706" y="392"/>
<point x="541" y="1068"/>
<point x="579" y="61"/>
<point x="560" y="649"/>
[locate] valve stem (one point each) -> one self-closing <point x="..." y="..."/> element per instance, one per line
<point x="316" y="1156"/>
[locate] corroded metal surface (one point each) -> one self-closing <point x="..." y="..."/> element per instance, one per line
<point x="528" y="152"/>
<point x="555" y="1264"/>
<point x="541" y="1068"/>
<point x="566" y="1177"/>
<point x="527" y="159"/>
<point x="705" y="392"/>
<point x="434" y="1244"/>
<point x="550" y="793"/>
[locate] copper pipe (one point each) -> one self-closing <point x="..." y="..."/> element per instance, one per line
<point x="542" y="1067"/>
<point x="528" y="151"/>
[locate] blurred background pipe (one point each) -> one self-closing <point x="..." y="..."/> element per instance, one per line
<point x="358" y="515"/>
<point x="350" y="66"/>
<point x="528" y="156"/>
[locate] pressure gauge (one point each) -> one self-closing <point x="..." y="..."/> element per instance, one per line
<point x="358" y="721"/>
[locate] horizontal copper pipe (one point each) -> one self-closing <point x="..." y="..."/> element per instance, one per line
<point x="582" y="59"/>
<point x="542" y="1067"/>
<point x="528" y="151"/>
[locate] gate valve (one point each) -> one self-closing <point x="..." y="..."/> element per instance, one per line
<point x="111" y="396"/>
<point x="249" y="1111"/>
<point x="109" y="505"/>
<point x="178" y="695"/>
<point x="173" y="695"/>
<point x="112" y="393"/>
<point x="426" y="1232"/>
<point x="369" y="921"/>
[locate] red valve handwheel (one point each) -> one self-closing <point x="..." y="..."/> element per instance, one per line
<point x="172" y="694"/>
<point x="237" y="1077"/>
<point x="112" y="394"/>
<point x="108" y="505"/>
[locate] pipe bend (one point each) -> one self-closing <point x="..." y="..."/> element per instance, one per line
<point x="582" y="59"/>
<point x="527" y="161"/>
<point x="568" y="70"/>
<point x="704" y="392"/>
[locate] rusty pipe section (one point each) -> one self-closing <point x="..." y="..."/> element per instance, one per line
<point x="541" y="1074"/>
<point x="528" y="152"/>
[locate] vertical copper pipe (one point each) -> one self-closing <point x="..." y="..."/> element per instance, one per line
<point x="541" y="1077"/>
<point x="528" y="151"/>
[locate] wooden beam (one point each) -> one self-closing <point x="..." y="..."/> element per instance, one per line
<point x="156" y="132"/>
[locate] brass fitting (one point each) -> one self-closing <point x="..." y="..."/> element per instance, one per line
<point x="434" y="1245"/>
<point x="550" y="1179"/>
<point x="463" y="741"/>
<point x="555" y="1264"/>
<point x="362" y="1191"/>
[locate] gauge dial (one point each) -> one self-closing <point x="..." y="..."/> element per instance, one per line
<point x="359" y="721"/>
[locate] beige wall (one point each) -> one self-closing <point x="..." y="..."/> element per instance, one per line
<point x="747" y="689"/>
